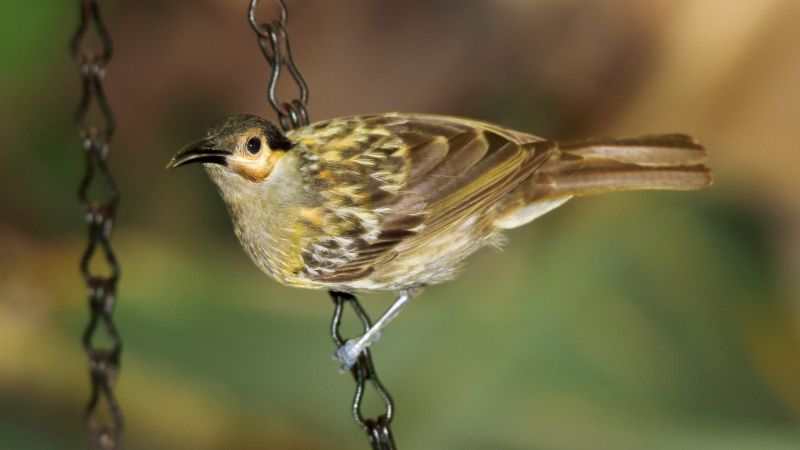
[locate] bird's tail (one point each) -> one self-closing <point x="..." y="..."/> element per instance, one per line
<point x="667" y="161"/>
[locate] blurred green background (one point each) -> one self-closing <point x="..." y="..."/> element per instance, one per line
<point x="644" y="320"/>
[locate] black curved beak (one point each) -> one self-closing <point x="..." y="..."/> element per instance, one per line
<point x="202" y="151"/>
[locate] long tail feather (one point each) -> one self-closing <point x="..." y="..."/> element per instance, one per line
<point x="669" y="161"/>
<point x="672" y="161"/>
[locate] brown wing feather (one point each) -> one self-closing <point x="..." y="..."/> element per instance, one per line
<point x="453" y="168"/>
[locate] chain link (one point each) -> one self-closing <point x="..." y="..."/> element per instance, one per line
<point x="380" y="435"/>
<point x="274" y="43"/>
<point x="104" y="361"/>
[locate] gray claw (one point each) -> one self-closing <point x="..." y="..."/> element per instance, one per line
<point x="348" y="353"/>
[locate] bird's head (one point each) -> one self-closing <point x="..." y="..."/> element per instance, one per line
<point x="243" y="144"/>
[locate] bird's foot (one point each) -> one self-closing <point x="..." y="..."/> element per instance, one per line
<point x="348" y="353"/>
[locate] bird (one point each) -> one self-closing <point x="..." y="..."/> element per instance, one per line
<point x="397" y="201"/>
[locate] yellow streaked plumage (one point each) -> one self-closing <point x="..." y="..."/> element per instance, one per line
<point x="395" y="201"/>
<point x="398" y="201"/>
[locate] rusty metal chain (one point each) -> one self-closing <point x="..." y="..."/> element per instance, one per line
<point x="274" y="43"/>
<point x="99" y="209"/>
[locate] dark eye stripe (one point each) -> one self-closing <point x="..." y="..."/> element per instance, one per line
<point x="253" y="145"/>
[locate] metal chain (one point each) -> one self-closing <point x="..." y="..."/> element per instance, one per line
<point x="104" y="361"/>
<point x="380" y="435"/>
<point x="274" y="43"/>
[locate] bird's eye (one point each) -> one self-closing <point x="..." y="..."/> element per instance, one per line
<point x="253" y="145"/>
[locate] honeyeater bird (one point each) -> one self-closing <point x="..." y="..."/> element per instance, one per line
<point x="396" y="202"/>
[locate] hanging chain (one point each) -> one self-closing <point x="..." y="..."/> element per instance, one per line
<point x="380" y="435"/>
<point x="99" y="214"/>
<point x="274" y="43"/>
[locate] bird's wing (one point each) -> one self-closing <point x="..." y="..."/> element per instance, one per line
<point x="388" y="178"/>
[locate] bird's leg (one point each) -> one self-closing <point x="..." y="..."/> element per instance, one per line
<point x="348" y="353"/>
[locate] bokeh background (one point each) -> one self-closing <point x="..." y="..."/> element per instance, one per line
<point x="645" y="320"/>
